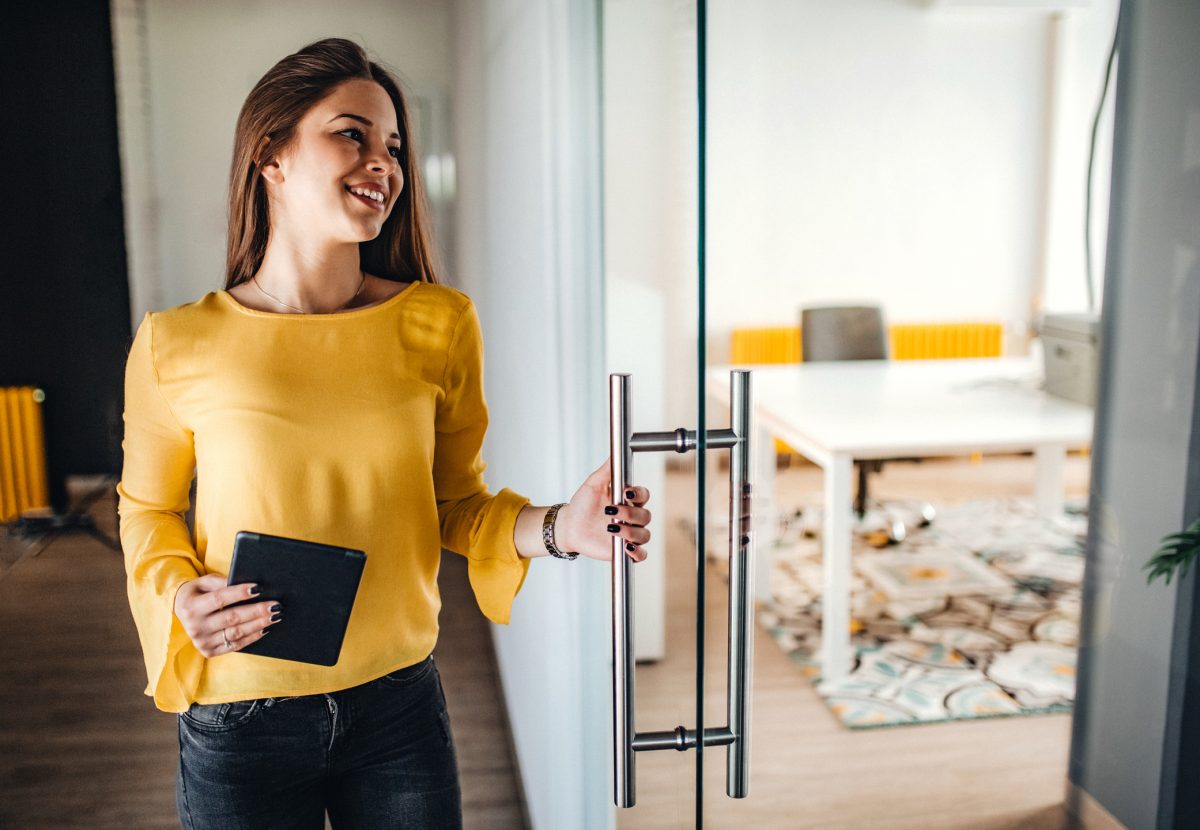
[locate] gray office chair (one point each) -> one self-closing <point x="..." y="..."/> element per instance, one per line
<point x="859" y="333"/>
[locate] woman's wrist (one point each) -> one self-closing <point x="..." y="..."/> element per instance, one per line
<point x="527" y="536"/>
<point x="563" y="533"/>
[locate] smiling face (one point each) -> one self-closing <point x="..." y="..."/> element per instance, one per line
<point x="341" y="176"/>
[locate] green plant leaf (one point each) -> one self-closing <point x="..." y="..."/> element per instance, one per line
<point x="1176" y="553"/>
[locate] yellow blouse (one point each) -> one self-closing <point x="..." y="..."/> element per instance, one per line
<point x="361" y="428"/>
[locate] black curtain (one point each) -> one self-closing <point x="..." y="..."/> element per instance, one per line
<point x="64" y="291"/>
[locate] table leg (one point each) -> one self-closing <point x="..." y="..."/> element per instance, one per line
<point x="1051" y="462"/>
<point x="835" y="602"/>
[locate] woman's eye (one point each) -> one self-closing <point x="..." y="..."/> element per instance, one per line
<point x="358" y="136"/>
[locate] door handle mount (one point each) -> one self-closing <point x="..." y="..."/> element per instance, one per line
<point x="623" y="443"/>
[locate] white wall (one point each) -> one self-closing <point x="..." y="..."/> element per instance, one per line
<point x="650" y="186"/>
<point x="1081" y="42"/>
<point x="529" y="250"/>
<point x="872" y="149"/>
<point x="185" y="69"/>
<point x="869" y="149"/>
<point x="880" y="148"/>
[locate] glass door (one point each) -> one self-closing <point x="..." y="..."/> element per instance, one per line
<point x="681" y="710"/>
<point x="919" y="171"/>
<point x="648" y="93"/>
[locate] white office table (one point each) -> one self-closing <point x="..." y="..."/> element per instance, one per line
<point x="834" y="413"/>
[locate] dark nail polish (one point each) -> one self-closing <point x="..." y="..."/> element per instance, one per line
<point x="614" y="528"/>
<point x="255" y="591"/>
<point x="610" y="509"/>
<point x="266" y="631"/>
<point x="629" y="546"/>
<point x="276" y="617"/>
<point x="630" y="494"/>
<point x="276" y="607"/>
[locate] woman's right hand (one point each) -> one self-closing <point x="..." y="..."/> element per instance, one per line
<point x="201" y="606"/>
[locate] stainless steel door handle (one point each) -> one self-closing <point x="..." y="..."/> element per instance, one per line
<point x="621" y="455"/>
<point x="736" y="735"/>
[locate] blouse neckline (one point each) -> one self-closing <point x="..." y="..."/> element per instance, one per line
<point x="353" y="312"/>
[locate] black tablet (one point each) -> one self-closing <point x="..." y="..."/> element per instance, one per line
<point x="316" y="585"/>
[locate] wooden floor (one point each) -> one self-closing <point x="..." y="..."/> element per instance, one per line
<point x="808" y="771"/>
<point x="81" y="746"/>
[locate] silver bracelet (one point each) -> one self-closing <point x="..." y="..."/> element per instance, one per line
<point x="548" y="534"/>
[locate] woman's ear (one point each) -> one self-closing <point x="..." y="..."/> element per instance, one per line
<point x="266" y="163"/>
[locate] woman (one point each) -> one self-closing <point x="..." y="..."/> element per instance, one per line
<point x="333" y="392"/>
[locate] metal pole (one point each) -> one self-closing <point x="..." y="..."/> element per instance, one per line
<point x="621" y="455"/>
<point x="741" y="581"/>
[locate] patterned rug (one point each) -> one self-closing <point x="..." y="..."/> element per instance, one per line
<point x="974" y="616"/>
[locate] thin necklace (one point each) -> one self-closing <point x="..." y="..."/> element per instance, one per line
<point x="361" y="283"/>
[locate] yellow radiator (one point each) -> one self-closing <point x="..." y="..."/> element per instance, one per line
<point x="908" y="341"/>
<point x="937" y="340"/>
<point x="769" y="345"/>
<point x="22" y="452"/>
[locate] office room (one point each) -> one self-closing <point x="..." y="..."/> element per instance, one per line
<point x="911" y="181"/>
<point x="924" y="272"/>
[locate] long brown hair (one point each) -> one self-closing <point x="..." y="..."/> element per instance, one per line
<point x="403" y="250"/>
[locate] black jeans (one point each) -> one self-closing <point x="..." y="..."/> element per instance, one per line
<point x="375" y="756"/>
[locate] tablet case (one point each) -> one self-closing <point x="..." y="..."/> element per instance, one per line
<point x="316" y="585"/>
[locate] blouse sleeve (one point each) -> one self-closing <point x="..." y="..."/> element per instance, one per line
<point x="474" y="523"/>
<point x="159" y="461"/>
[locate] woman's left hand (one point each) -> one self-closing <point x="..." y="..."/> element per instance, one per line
<point x="584" y="525"/>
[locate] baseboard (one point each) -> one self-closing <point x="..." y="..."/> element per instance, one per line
<point x="1086" y="813"/>
<point x="513" y="755"/>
